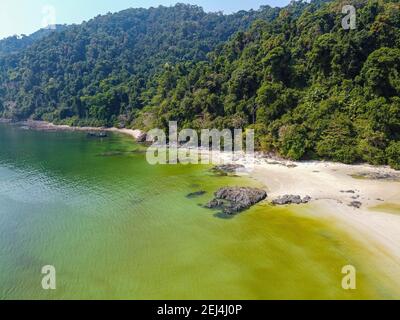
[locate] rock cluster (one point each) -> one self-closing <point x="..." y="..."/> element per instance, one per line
<point x="236" y="199"/>
<point x="355" y="204"/>
<point x="291" y="199"/>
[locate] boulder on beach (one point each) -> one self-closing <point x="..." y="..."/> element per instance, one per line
<point x="236" y="199"/>
<point x="291" y="199"/>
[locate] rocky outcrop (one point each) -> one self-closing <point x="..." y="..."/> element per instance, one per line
<point x="291" y="199"/>
<point x="215" y="204"/>
<point x="236" y="199"/>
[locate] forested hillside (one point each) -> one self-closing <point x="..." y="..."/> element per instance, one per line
<point x="16" y="44"/>
<point x="97" y="71"/>
<point x="309" y="88"/>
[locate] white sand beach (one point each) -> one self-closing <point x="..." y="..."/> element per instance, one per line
<point x="331" y="186"/>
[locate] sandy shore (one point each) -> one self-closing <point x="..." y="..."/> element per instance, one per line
<point x="329" y="185"/>
<point x="47" y="126"/>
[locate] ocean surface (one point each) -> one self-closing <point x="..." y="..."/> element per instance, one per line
<point x="115" y="227"/>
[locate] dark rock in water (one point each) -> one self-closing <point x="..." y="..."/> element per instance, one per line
<point x="291" y="199"/>
<point x="228" y="168"/>
<point x="355" y="204"/>
<point x="236" y="199"/>
<point x="196" y="194"/>
<point x="246" y="196"/>
<point x="97" y="134"/>
<point x="215" y="204"/>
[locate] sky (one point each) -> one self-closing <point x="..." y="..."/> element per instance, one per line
<point x="27" y="16"/>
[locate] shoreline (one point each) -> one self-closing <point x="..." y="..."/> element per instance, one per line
<point x="48" y="126"/>
<point x="332" y="187"/>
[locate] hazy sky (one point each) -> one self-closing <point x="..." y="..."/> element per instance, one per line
<point x="27" y="16"/>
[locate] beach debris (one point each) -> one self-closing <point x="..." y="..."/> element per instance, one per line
<point x="196" y="194"/>
<point x="215" y="204"/>
<point x="233" y="200"/>
<point x="291" y="199"/>
<point x="355" y="204"/>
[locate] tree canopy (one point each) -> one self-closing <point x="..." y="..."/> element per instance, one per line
<point x="309" y="88"/>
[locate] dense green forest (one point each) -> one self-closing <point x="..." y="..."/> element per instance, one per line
<point x="308" y="87"/>
<point x="16" y="44"/>
<point x="97" y="71"/>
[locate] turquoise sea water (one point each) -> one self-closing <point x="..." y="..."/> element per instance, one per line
<point x="115" y="227"/>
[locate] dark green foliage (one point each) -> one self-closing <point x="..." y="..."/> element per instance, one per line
<point x="393" y="154"/>
<point x="309" y="88"/>
<point x="102" y="70"/>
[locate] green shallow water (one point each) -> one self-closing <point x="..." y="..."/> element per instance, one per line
<point x="115" y="227"/>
